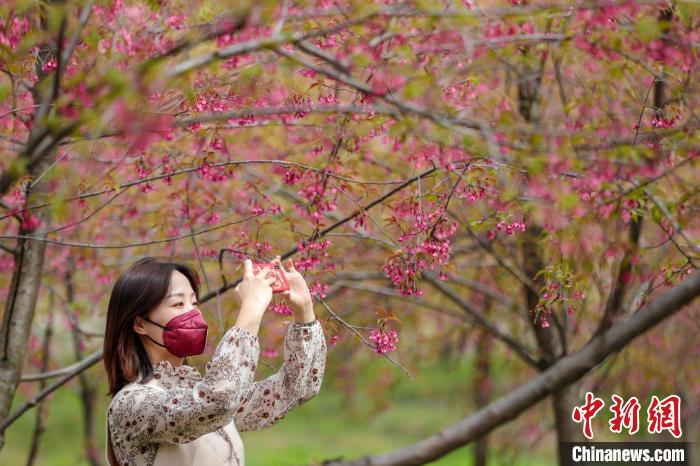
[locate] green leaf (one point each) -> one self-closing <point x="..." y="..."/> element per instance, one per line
<point x="469" y="141"/>
<point x="116" y="79"/>
<point x="153" y="5"/>
<point x="18" y="167"/>
<point x="92" y="38"/>
<point x="365" y="8"/>
<point x="616" y="71"/>
<point x="205" y="13"/>
<point x="4" y="90"/>
<point x="567" y="201"/>
<point x="360" y="60"/>
<point x="417" y="87"/>
<point x="535" y="165"/>
<point x="59" y="209"/>
<point x="401" y="127"/>
<point x="249" y="74"/>
<point x="687" y="12"/>
<point x="53" y="123"/>
<point x="648" y="28"/>
<point x="405" y="51"/>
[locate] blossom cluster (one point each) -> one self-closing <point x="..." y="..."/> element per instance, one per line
<point x="318" y="289"/>
<point x="315" y="192"/>
<point x="282" y="309"/>
<point x="12" y="31"/>
<point x="660" y="122"/>
<point x="144" y="172"/>
<point x="497" y="29"/>
<point x="437" y="245"/>
<point x="470" y="194"/>
<point x="16" y="202"/>
<point x="167" y="170"/>
<point x="385" y="340"/>
<point x="402" y="270"/>
<point x="556" y="293"/>
<point x="425" y="244"/>
<point x="291" y="176"/>
<point x="509" y="227"/>
<point x="205" y="251"/>
<point x="212" y="173"/>
<point x="312" y="252"/>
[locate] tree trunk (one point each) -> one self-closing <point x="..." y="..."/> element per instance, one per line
<point x="563" y="402"/>
<point x="551" y="341"/>
<point x="39" y="424"/>
<point x="18" y="316"/>
<point x="482" y="387"/>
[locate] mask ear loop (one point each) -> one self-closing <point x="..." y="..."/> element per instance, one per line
<point x="154" y="323"/>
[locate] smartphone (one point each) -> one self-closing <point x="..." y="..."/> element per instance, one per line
<point x="272" y="270"/>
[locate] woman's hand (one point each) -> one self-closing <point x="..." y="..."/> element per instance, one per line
<point x="298" y="296"/>
<point x="254" y="293"/>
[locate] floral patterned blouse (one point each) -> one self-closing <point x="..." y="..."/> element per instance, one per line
<point x="180" y="417"/>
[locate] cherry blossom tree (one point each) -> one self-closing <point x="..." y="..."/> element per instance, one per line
<point x="525" y="168"/>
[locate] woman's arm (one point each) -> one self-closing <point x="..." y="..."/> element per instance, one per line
<point x="298" y="380"/>
<point x="301" y="374"/>
<point x="145" y="414"/>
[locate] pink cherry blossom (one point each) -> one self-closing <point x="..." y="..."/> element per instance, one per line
<point x="385" y="340"/>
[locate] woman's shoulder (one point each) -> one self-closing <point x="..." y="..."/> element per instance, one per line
<point x="130" y="394"/>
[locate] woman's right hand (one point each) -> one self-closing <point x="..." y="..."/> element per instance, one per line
<point x="254" y="293"/>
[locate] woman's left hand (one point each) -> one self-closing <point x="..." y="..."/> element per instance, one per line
<point x="298" y="295"/>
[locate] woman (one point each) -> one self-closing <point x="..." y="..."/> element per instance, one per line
<point x="164" y="412"/>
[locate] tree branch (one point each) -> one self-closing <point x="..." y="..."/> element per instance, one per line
<point x="327" y="230"/>
<point x="78" y="368"/>
<point x="479" y="319"/>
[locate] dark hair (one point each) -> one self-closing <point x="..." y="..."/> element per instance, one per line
<point x="139" y="290"/>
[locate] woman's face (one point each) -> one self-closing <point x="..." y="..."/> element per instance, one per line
<point x="179" y="299"/>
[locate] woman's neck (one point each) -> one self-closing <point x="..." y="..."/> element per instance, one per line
<point x="174" y="361"/>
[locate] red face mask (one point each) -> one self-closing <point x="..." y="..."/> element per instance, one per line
<point x="184" y="335"/>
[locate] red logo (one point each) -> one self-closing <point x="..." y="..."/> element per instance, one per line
<point x="661" y="414"/>
<point x="665" y="415"/>
<point x="625" y="415"/>
<point x="587" y="412"/>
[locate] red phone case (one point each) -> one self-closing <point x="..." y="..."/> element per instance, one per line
<point x="272" y="270"/>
